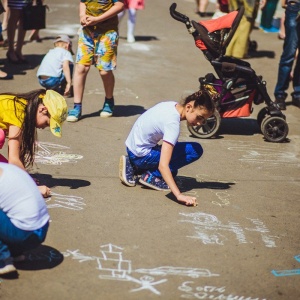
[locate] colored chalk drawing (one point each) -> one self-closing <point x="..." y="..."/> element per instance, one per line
<point x="210" y="230"/>
<point x="208" y="292"/>
<point x="65" y="201"/>
<point x="45" y="155"/>
<point x="112" y="266"/>
<point x="280" y="273"/>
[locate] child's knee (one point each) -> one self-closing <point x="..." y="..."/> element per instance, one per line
<point x="197" y="150"/>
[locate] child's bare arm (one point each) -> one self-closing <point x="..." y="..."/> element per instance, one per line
<point x="14" y="144"/>
<point x="115" y="9"/>
<point x="82" y="13"/>
<point x="67" y="73"/>
<point x="165" y="158"/>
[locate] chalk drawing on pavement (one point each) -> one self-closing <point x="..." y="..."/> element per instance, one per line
<point x="113" y="266"/>
<point x="65" y="201"/>
<point x="45" y="155"/>
<point x="208" y="292"/>
<point x="210" y="230"/>
<point x="292" y="272"/>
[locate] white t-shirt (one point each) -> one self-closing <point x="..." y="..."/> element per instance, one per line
<point x="21" y="199"/>
<point x="161" y="122"/>
<point x="52" y="63"/>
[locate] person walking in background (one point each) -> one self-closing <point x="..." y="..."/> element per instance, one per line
<point x="201" y="7"/>
<point x="24" y="216"/>
<point x="56" y="69"/>
<point x="290" y="47"/>
<point x="15" y="21"/>
<point x="239" y="44"/>
<point x="131" y="6"/>
<point x="97" y="45"/>
<point x="268" y="9"/>
<point x="159" y="164"/>
<point x="20" y="115"/>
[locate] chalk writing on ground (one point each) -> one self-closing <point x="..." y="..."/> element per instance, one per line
<point x="112" y="266"/>
<point x="208" y="292"/>
<point x="47" y="156"/>
<point x="265" y="156"/>
<point x="65" y="201"/>
<point x="210" y="230"/>
<point x="292" y="272"/>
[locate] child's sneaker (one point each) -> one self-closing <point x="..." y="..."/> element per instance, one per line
<point x="73" y="115"/>
<point x="108" y="108"/>
<point x="154" y="182"/>
<point x="6" y="266"/>
<point x="126" y="171"/>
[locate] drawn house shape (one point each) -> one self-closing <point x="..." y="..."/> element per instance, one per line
<point x="111" y="263"/>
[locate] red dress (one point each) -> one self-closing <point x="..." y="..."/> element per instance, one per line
<point x="136" y="4"/>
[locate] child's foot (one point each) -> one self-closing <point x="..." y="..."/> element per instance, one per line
<point x="108" y="108"/>
<point x="130" y="38"/>
<point x="6" y="266"/>
<point x="154" y="182"/>
<point x="73" y="115"/>
<point x="126" y="171"/>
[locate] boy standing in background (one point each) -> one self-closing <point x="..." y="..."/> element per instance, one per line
<point x="97" y="45"/>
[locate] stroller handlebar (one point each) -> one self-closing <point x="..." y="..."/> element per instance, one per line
<point x="176" y="15"/>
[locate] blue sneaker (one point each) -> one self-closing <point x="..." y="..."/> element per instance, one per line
<point x="270" y="30"/>
<point x="108" y="108"/>
<point x="126" y="171"/>
<point x="73" y="115"/>
<point x="154" y="182"/>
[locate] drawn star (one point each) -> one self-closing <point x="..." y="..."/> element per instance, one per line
<point x="56" y="129"/>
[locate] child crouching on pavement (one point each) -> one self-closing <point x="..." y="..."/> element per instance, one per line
<point x="56" y="69"/>
<point x="159" y="164"/>
<point x="24" y="216"/>
<point x="20" y="115"/>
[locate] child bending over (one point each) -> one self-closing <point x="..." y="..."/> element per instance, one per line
<point x="55" y="71"/>
<point x="24" y="216"/>
<point x="159" y="164"/>
<point x="20" y="115"/>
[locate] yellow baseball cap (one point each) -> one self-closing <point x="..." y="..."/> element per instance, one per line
<point x="58" y="110"/>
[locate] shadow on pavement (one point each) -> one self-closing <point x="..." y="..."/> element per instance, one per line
<point x="120" y="111"/>
<point x="48" y="180"/>
<point x="41" y="258"/>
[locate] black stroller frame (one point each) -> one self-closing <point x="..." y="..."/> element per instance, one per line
<point x="237" y="84"/>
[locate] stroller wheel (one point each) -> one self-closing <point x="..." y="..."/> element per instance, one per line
<point x="261" y="116"/>
<point x="275" y="129"/>
<point x="207" y="130"/>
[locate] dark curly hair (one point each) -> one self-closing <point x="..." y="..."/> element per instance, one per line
<point x="201" y="98"/>
<point x="28" y="129"/>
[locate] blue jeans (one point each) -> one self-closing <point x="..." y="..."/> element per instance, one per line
<point x="290" y="46"/>
<point x="14" y="241"/>
<point x="183" y="154"/>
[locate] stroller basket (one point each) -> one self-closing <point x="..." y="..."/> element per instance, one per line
<point x="237" y="86"/>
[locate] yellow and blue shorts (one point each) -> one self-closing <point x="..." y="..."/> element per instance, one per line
<point x="98" y="49"/>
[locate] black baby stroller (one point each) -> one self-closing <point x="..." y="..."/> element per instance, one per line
<point x="237" y="86"/>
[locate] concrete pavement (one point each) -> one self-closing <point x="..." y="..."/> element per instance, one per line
<point x="109" y="241"/>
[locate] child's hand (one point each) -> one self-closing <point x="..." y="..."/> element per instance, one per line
<point x="67" y="89"/>
<point x="45" y="191"/>
<point x="187" y="200"/>
<point x="90" y="20"/>
<point x="83" y="20"/>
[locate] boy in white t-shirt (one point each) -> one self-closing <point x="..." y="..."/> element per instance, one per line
<point x="24" y="218"/>
<point x="157" y="163"/>
<point x="55" y="71"/>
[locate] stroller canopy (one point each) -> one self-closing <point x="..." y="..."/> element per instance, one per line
<point x="215" y="35"/>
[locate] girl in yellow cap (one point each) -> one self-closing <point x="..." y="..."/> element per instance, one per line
<point x="20" y="115"/>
